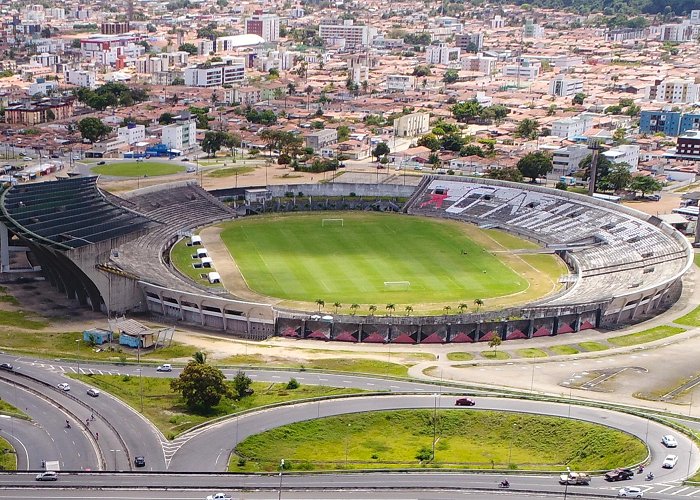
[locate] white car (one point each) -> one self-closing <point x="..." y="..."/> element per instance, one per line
<point x="64" y="386"/>
<point x="48" y="475"/>
<point x="93" y="392"/>
<point x="670" y="462"/>
<point x="630" y="492"/>
<point x="669" y="441"/>
<point x="164" y="368"/>
<point x="219" y="496"/>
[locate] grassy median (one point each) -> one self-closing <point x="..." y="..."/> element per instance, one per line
<point x="464" y="439"/>
<point x="650" y="335"/>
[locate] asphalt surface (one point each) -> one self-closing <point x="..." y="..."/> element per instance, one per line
<point x="208" y="449"/>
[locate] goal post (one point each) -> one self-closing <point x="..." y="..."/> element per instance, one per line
<point x="332" y="222"/>
<point x="397" y="285"/>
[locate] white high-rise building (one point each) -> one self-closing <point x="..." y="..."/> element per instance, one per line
<point x="81" y="78"/>
<point x="181" y="136"/>
<point x="354" y="36"/>
<point x="441" y="54"/>
<point x="674" y="91"/>
<point x="132" y="133"/>
<point x="230" y="70"/>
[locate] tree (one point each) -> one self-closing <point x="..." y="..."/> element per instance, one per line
<point x="200" y="358"/>
<point x="408" y="309"/>
<point x="447" y="309"/>
<point x="450" y="76"/>
<point x="241" y="385"/>
<point x="552" y="110"/>
<point x="343" y="133"/>
<point x="92" y="129"/>
<point x="213" y="141"/>
<point x="372" y="309"/>
<point x="453" y="142"/>
<point x="390" y="308"/>
<point x="430" y="141"/>
<point x="644" y="184"/>
<point x="495" y="342"/>
<point x="421" y="70"/>
<point x="380" y="150"/>
<point x="467" y="110"/>
<point x="578" y="99"/>
<point x="618" y="176"/>
<point x="527" y="129"/>
<point x="202" y="386"/>
<point x="602" y="168"/>
<point x="534" y="165"/>
<point x="462" y="307"/>
<point x="337" y="306"/>
<point x="354" y="308"/>
<point x="471" y="150"/>
<point x="166" y="118"/>
<point x="190" y="48"/>
<point x="478" y="303"/>
<point x="505" y="174"/>
<point x="619" y="136"/>
<point x="320" y="303"/>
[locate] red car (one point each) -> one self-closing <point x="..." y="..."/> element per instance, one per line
<point x="464" y="402"/>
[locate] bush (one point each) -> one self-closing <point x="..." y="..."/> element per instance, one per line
<point x="241" y="461"/>
<point x="424" y="454"/>
<point x="292" y="384"/>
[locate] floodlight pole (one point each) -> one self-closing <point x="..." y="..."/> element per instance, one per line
<point x="279" y="495"/>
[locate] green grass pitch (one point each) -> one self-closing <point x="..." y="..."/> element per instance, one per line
<point x="295" y="257"/>
<point x="139" y="169"/>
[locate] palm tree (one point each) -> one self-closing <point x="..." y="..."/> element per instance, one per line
<point x="390" y="308"/>
<point x="478" y="303"/>
<point x="447" y="309"/>
<point x="320" y="303"/>
<point x="409" y="310"/>
<point x="309" y="90"/>
<point x="354" y="308"/>
<point x="462" y="307"/>
<point x="200" y="358"/>
<point x="372" y="309"/>
<point x="337" y="306"/>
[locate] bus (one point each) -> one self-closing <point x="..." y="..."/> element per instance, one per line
<point x="607" y="197"/>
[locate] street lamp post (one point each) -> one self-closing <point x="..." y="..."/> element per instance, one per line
<point x="347" y="440"/>
<point x="77" y="353"/>
<point x="279" y="496"/>
<point x="435" y="399"/>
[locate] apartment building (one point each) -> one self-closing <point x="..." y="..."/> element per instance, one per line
<point x="441" y="54"/>
<point x="45" y="59"/>
<point x="479" y="63"/>
<point x="354" y="36"/>
<point x="42" y="86"/>
<point x="660" y="121"/>
<point x="181" y="135"/>
<point x="81" y="78"/>
<point x="532" y="30"/>
<point x="320" y="139"/>
<point x="132" y="133"/>
<point x="497" y="22"/>
<point x="626" y="153"/>
<point x="43" y="111"/>
<point x="566" y="160"/>
<point x="266" y="26"/>
<point x="689" y="145"/>
<point x="470" y="42"/>
<point x="115" y="28"/>
<point x="682" y="32"/>
<point x="675" y="91"/>
<point x="243" y="95"/>
<point x="400" y="83"/>
<point x="526" y="70"/>
<point x="569" y="128"/>
<point x="561" y="86"/>
<point x="164" y="61"/>
<point x="230" y="70"/>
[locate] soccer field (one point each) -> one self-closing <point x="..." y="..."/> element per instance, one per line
<point x="139" y="168"/>
<point x="298" y="258"/>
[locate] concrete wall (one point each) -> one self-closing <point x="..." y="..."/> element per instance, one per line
<point x="343" y="189"/>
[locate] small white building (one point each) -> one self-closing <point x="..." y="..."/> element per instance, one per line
<point x="132" y="133"/>
<point x="42" y="86"/>
<point x="81" y="78"/>
<point x="568" y="128"/>
<point x="181" y="135"/>
<point x="412" y="125"/>
<point x="626" y="153"/>
<point x="400" y="83"/>
<point x="441" y="54"/>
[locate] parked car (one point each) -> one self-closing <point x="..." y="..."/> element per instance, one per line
<point x="64" y="386"/>
<point x="164" y="368"/>
<point x="184" y="159"/>
<point x="619" y="475"/>
<point x="101" y="162"/>
<point x="219" y="496"/>
<point x="6" y="366"/>
<point x="139" y="461"/>
<point x="630" y="492"/>
<point x="464" y="402"/>
<point x="48" y="475"/>
<point x="670" y="462"/>
<point x="93" y="392"/>
<point x="654" y="197"/>
<point x="669" y="441"/>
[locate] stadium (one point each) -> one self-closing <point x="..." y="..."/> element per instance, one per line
<point x="122" y="254"/>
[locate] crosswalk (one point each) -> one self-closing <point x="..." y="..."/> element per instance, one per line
<point x="673" y="489"/>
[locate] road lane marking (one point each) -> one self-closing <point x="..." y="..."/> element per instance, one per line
<point x="665" y="489"/>
<point x="677" y="492"/>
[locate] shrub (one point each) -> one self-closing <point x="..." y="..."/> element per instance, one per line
<point x="292" y="384"/>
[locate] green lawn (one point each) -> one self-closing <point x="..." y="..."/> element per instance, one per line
<point x="563" y="349"/>
<point x="593" y="346"/>
<point x="696" y="259"/>
<point x="8" y="457"/>
<point x="531" y="352"/>
<point x="346" y="364"/>
<point x="495" y="355"/>
<point x="139" y="169"/>
<point x="460" y="356"/>
<point x="690" y="319"/>
<point x="166" y="410"/>
<point x="181" y="257"/>
<point x="656" y="333"/>
<point x="466" y="439"/>
<point x="509" y="241"/>
<point x="19" y="319"/>
<point x="231" y="171"/>
<point x="297" y="258"/>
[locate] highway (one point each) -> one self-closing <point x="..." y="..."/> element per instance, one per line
<point x="207" y="449"/>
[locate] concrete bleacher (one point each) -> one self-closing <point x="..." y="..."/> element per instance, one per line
<point x="179" y="208"/>
<point x="624" y="252"/>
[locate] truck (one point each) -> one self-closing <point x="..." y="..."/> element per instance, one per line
<point x="575" y="478"/>
<point x="219" y="496"/>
